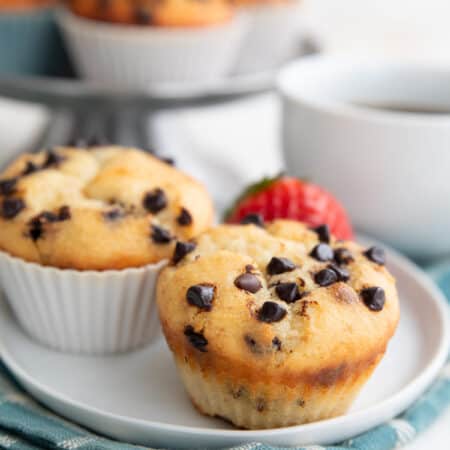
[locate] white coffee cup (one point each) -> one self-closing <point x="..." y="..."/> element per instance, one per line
<point x="390" y="168"/>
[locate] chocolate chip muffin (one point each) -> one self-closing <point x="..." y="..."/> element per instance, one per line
<point x="276" y="325"/>
<point x="98" y="209"/>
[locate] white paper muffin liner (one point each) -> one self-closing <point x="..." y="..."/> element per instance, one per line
<point x="83" y="311"/>
<point x="137" y="57"/>
<point x="272" y="36"/>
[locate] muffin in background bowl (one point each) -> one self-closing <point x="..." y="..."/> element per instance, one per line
<point x="30" y="42"/>
<point x="137" y="44"/>
<point x="84" y="236"/>
<point x="278" y="326"/>
<point x="272" y="35"/>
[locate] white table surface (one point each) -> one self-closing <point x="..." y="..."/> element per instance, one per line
<point x="248" y="132"/>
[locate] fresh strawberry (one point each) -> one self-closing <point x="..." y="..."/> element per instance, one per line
<point x="291" y="198"/>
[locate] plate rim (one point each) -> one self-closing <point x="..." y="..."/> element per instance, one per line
<point x="418" y="384"/>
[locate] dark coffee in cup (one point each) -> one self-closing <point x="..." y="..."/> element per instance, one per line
<point x="408" y="109"/>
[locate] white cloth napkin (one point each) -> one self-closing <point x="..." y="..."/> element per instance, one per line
<point x="20" y="126"/>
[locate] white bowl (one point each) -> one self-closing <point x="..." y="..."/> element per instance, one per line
<point x="137" y="57"/>
<point x="390" y="169"/>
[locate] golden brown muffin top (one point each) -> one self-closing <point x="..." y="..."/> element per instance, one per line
<point x="249" y="301"/>
<point x="99" y="209"/>
<point x="164" y="13"/>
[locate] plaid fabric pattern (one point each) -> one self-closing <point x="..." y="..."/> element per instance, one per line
<point x="26" y="425"/>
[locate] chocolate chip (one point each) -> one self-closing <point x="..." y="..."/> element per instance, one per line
<point x="155" y="201"/>
<point x="342" y="273"/>
<point x="52" y="159"/>
<point x="326" y="277"/>
<point x="181" y="250"/>
<point x="323" y="232"/>
<point x="167" y="160"/>
<point x="343" y="256"/>
<point x="253" y="219"/>
<point x="185" y="218"/>
<point x="114" y="214"/>
<point x="374" y="298"/>
<point x="201" y="296"/>
<point x="238" y="393"/>
<point x="260" y="404"/>
<point x="258" y="349"/>
<point x="377" y="255"/>
<point x="64" y="213"/>
<point x="11" y="207"/>
<point x="253" y="345"/>
<point x="142" y="16"/>
<point x="249" y="268"/>
<point x="8" y="186"/>
<point x="276" y="343"/>
<point x="36" y="224"/>
<point x="288" y="292"/>
<point x="277" y="266"/>
<point x="30" y="168"/>
<point x="248" y="282"/>
<point x="197" y="340"/>
<point x="271" y="312"/>
<point x="322" y="252"/>
<point x="36" y="230"/>
<point x="48" y="216"/>
<point x="160" y="235"/>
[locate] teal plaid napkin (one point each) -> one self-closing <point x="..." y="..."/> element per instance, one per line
<point x="26" y="425"/>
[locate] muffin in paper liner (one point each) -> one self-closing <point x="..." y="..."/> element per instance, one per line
<point x="272" y="35"/>
<point x="31" y="44"/>
<point x="273" y="327"/>
<point x="85" y="312"/>
<point x="137" y="57"/>
<point x="84" y="235"/>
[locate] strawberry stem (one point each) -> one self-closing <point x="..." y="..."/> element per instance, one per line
<point x="251" y="190"/>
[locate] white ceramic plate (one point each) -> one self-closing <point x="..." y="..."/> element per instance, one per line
<point x="138" y="397"/>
